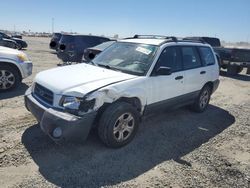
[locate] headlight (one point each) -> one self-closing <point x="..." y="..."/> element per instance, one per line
<point x="72" y="103"/>
<point x="22" y="57"/>
<point x="77" y="106"/>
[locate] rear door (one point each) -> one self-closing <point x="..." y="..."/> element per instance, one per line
<point x="195" y="73"/>
<point x="208" y="60"/>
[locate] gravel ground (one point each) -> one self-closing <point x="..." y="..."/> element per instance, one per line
<point x="177" y="148"/>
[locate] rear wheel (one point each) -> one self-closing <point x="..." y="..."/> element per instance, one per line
<point x="118" y="124"/>
<point x="234" y="69"/>
<point x="202" y="100"/>
<point x="9" y="78"/>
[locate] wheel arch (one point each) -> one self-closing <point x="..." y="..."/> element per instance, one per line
<point x="134" y="101"/>
<point x="13" y="65"/>
<point x="210" y="84"/>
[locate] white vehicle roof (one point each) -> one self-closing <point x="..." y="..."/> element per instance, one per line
<point x="159" y="41"/>
<point x="6" y="50"/>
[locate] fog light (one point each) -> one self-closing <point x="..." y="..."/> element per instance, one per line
<point x="57" y="132"/>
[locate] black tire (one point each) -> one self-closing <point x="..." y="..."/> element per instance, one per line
<point x="201" y="104"/>
<point x="113" y="119"/>
<point x="234" y="69"/>
<point x="13" y="80"/>
<point x="223" y="66"/>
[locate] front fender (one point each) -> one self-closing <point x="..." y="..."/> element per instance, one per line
<point x="112" y="94"/>
<point x="13" y="62"/>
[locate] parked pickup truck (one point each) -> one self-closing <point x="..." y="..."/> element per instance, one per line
<point x="14" y="66"/>
<point x="232" y="59"/>
<point x="131" y="78"/>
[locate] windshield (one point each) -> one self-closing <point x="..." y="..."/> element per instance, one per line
<point x="130" y="58"/>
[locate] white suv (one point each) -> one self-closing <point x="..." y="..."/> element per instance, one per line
<point x="129" y="79"/>
<point x="14" y="66"/>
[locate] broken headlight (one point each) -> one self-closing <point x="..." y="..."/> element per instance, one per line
<point x="72" y="103"/>
<point x="77" y="106"/>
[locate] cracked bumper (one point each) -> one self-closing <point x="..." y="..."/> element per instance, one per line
<point x="73" y="128"/>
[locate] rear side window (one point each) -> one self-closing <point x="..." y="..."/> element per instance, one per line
<point x="190" y="57"/>
<point x="170" y="57"/>
<point x="207" y="56"/>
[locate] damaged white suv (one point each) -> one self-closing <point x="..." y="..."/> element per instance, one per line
<point x="129" y="79"/>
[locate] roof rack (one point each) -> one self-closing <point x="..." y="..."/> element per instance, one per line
<point x="168" y="38"/>
<point x="155" y="37"/>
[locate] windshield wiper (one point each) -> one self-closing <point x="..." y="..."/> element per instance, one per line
<point x="93" y="63"/>
<point x="105" y="66"/>
<point x="109" y="67"/>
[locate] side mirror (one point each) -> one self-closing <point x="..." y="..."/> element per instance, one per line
<point x="163" y="71"/>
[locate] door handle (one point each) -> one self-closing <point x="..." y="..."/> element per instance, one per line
<point x="203" y="72"/>
<point x="179" y="77"/>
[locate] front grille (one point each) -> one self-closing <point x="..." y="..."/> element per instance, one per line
<point x="43" y="94"/>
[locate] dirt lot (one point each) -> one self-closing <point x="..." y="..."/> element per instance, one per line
<point x="173" y="149"/>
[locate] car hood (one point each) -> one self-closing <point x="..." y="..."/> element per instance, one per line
<point x="6" y="50"/>
<point x="79" y="79"/>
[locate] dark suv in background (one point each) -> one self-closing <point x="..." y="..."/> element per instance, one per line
<point x="55" y="40"/>
<point x="71" y="47"/>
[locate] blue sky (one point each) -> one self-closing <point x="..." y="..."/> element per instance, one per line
<point x="226" y="19"/>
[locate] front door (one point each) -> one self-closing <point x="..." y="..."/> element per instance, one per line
<point x="164" y="88"/>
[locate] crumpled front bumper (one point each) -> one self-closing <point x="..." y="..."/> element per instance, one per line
<point x="73" y="128"/>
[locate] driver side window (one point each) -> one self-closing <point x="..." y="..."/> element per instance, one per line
<point x="170" y="57"/>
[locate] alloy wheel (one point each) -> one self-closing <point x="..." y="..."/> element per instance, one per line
<point x="123" y="127"/>
<point x="7" y="79"/>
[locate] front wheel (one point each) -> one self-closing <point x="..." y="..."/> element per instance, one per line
<point x="118" y="124"/>
<point x="9" y="78"/>
<point x="202" y="100"/>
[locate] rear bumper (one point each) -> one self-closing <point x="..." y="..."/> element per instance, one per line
<point x="73" y="128"/>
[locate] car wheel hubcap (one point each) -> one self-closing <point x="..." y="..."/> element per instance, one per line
<point x="204" y="98"/>
<point x="7" y="79"/>
<point x="123" y="127"/>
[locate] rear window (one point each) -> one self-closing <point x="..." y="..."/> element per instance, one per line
<point x="67" y="39"/>
<point x="207" y="56"/>
<point x="93" y="41"/>
<point x="57" y="35"/>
